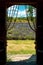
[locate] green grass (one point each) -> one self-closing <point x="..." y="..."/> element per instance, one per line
<point x="21" y="47"/>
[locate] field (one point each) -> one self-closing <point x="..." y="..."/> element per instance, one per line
<point x="20" y="47"/>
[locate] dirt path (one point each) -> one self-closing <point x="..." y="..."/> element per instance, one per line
<point x="22" y="59"/>
<point x="19" y="57"/>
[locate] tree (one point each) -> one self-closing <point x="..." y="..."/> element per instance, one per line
<point x="30" y="10"/>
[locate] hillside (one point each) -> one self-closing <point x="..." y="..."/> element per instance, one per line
<point x="20" y="30"/>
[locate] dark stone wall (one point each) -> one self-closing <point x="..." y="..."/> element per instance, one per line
<point x="2" y="36"/>
<point x="39" y="34"/>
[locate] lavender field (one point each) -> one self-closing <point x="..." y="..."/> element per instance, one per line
<point x="20" y="30"/>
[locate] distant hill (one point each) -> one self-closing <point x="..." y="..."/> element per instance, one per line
<point x="20" y="30"/>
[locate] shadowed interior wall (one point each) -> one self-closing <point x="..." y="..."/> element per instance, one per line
<point x="39" y="30"/>
<point x="39" y="34"/>
<point x="2" y="36"/>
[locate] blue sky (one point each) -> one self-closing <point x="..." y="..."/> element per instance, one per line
<point x="21" y="11"/>
<point x="22" y="7"/>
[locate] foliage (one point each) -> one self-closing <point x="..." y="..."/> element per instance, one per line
<point x="31" y="17"/>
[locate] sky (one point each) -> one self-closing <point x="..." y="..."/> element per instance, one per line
<point x="21" y="11"/>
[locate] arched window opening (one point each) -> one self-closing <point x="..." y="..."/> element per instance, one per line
<point x="21" y="30"/>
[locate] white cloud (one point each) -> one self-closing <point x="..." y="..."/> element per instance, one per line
<point x="34" y="12"/>
<point x="22" y="13"/>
